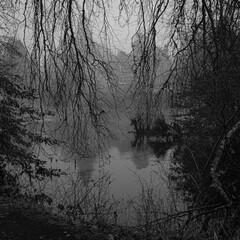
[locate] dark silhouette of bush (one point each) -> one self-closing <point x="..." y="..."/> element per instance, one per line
<point x="16" y="114"/>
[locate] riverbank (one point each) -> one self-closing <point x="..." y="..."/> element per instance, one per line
<point x="20" y="220"/>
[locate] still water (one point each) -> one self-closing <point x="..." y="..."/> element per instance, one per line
<point x="134" y="174"/>
<point x="129" y="168"/>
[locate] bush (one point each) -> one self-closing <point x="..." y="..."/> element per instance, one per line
<point x="16" y="138"/>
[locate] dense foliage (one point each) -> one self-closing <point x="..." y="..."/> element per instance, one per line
<point x="17" y="141"/>
<point x="206" y="105"/>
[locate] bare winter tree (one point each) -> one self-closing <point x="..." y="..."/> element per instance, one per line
<point x="71" y="71"/>
<point x="146" y="58"/>
<point x="67" y="67"/>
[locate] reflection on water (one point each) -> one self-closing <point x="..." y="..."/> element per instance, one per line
<point x="122" y="175"/>
<point x="127" y="166"/>
<point x="132" y="169"/>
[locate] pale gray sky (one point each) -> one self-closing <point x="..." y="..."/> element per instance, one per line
<point x="120" y="32"/>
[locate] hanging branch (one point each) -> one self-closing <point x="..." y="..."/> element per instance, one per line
<point x="146" y="59"/>
<point x="69" y="68"/>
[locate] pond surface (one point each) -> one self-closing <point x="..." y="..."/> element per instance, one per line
<point x="129" y="167"/>
<point x="134" y="173"/>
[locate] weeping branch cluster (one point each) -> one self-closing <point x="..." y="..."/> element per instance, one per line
<point x="68" y="67"/>
<point x="146" y="56"/>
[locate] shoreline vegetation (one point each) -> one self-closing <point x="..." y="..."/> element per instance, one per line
<point x="19" y="210"/>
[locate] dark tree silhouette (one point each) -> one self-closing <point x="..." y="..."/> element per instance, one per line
<point x="17" y="141"/>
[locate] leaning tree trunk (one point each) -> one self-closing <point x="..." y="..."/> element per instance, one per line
<point x="214" y="173"/>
